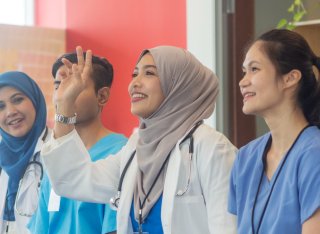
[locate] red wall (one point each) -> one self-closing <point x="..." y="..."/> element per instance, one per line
<point x="50" y="13"/>
<point x="119" y="30"/>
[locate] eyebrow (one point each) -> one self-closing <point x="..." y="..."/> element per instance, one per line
<point x="16" y="94"/>
<point x="250" y="63"/>
<point x="147" y="66"/>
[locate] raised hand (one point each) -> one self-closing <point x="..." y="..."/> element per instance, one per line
<point x="69" y="89"/>
<point x="73" y="83"/>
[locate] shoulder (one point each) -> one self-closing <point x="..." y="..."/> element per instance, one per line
<point x="254" y="147"/>
<point x="250" y="154"/>
<point x="308" y="147"/>
<point x="133" y="139"/>
<point x="208" y="135"/>
<point x="114" y="139"/>
<point x="310" y="139"/>
<point x="209" y="142"/>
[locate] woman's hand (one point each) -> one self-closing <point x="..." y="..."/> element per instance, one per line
<point x="73" y="83"/>
<point x="69" y="89"/>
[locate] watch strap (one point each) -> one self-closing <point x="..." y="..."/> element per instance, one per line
<point x="64" y="119"/>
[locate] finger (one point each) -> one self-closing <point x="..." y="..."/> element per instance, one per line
<point x="80" y="56"/>
<point x="67" y="63"/>
<point x="88" y="62"/>
<point x="75" y="71"/>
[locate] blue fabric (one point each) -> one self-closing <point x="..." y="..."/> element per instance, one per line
<point x="296" y="194"/>
<point x="152" y="224"/>
<point x="16" y="151"/>
<point x="75" y="217"/>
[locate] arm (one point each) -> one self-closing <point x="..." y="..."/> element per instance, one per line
<point x="312" y="225"/>
<point x="309" y="191"/>
<point x="66" y="159"/>
<point x="217" y="156"/>
<point x="73" y="174"/>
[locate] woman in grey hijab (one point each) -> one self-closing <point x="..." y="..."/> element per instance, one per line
<point x="173" y="174"/>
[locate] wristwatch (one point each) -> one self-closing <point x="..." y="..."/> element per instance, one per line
<point x="65" y="120"/>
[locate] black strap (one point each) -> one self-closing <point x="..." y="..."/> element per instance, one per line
<point x="274" y="182"/>
<point x="124" y="172"/>
<point x="141" y="204"/>
<point x="188" y="136"/>
<point x="45" y="134"/>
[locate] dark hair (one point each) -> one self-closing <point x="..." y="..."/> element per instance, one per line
<point x="288" y="50"/>
<point x="102" y="70"/>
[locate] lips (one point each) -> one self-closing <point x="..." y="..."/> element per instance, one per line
<point x="14" y="122"/>
<point x="248" y="95"/>
<point x="135" y="97"/>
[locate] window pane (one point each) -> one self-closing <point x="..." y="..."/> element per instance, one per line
<point x="18" y="12"/>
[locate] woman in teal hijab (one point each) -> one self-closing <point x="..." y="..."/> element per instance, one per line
<point x="22" y="123"/>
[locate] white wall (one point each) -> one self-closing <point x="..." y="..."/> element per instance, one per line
<point x="201" y="35"/>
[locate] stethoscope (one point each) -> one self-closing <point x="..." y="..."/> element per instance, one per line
<point x="114" y="201"/>
<point x="264" y="157"/>
<point x="36" y="162"/>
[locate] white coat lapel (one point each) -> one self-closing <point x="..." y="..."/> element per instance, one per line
<point x="170" y="187"/>
<point x="124" y="224"/>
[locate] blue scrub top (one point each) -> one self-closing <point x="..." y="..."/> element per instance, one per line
<point x="152" y="224"/>
<point x="296" y="194"/>
<point x="77" y="217"/>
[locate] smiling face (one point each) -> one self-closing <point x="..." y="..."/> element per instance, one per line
<point x="145" y="88"/>
<point x="17" y="113"/>
<point x="261" y="87"/>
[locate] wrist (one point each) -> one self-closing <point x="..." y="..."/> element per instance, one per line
<point x="60" y="118"/>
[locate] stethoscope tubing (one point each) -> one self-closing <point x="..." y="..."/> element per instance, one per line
<point x="114" y="201"/>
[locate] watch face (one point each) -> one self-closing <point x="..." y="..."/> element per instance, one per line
<point x="65" y="120"/>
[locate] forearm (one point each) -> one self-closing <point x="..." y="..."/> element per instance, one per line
<point x="73" y="175"/>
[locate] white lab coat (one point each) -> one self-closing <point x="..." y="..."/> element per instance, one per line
<point x="18" y="226"/>
<point x="202" y="209"/>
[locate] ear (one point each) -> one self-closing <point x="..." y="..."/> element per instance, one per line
<point x="292" y="78"/>
<point x="103" y="96"/>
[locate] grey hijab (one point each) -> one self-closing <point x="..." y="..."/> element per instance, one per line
<point x="190" y="91"/>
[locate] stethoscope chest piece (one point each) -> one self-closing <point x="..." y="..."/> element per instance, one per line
<point x="114" y="201"/>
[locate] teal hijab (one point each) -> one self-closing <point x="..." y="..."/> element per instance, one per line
<point x="15" y="152"/>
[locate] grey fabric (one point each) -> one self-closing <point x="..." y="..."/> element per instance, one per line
<point x="190" y="91"/>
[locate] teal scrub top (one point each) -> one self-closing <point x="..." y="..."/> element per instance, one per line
<point x="75" y="217"/>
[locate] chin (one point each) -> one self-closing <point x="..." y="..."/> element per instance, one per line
<point x="18" y="134"/>
<point x="247" y="111"/>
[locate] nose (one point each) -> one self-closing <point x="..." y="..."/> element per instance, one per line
<point x="134" y="83"/>
<point x="10" y="110"/>
<point x="245" y="81"/>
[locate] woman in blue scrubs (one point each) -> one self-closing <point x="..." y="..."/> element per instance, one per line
<point x="275" y="181"/>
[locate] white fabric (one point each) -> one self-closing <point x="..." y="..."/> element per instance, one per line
<point x="19" y="226"/>
<point x="202" y="209"/>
